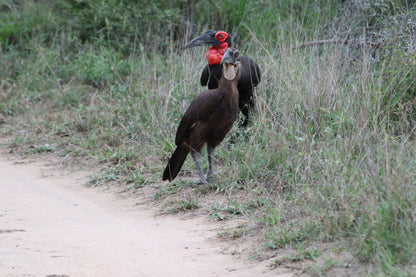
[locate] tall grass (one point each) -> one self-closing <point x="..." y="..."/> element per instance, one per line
<point x="330" y="151"/>
<point x="326" y="140"/>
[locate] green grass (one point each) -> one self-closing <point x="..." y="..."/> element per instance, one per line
<point x="329" y="156"/>
<point x="183" y="205"/>
<point x="299" y="255"/>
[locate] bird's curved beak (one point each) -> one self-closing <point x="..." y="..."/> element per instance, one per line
<point x="228" y="57"/>
<point x="203" y="40"/>
<point x="230" y="61"/>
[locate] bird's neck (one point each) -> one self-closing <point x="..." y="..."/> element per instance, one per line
<point x="215" y="53"/>
<point x="230" y="87"/>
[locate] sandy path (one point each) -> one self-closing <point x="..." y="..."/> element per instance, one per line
<point x="53" y="225"/>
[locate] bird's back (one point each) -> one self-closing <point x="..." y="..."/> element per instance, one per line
<point x="209" y="117"/>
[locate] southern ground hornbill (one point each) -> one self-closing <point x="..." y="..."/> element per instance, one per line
<point x="208" y="119"/>
<point x="211" y="74"/>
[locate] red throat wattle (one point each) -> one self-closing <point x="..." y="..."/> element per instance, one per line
<point x="215" y="53"/>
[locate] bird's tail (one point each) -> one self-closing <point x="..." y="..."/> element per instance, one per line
<point x="175" y="163"/>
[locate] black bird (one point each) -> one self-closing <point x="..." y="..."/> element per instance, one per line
<point x="207" y="120"/>
<point x="250" y="73"/>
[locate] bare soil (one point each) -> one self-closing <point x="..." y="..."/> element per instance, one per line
<point x="52" y="224"/>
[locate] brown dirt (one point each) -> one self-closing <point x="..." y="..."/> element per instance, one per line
<point x="51" y="224"/>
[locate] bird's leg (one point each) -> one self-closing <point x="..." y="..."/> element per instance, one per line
<point x="210" y="175"/>
<point x="202" y="179"/>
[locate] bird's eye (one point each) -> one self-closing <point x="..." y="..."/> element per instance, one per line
<point x="219" y="36"/>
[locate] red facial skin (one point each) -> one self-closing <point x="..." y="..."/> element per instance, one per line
<point x="215" y="53"/>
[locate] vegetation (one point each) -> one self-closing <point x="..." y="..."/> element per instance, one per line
<point x="330" y="155"/>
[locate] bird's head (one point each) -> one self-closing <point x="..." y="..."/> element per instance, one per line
<point x="231" y="64"/>
<point x="212" y="38"/>
<point x="218" y="40"/>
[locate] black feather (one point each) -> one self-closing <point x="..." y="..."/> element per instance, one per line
<point x="175" y="163"/>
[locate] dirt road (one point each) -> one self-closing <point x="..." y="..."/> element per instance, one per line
<point x="52" y="225"/>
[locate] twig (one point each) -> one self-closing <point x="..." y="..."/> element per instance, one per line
<point x="354" y="42"/>
<point x="318" y="42"/>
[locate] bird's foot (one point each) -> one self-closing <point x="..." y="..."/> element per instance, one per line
<point x="210" y="178"/>
<point x="201" y="182"/>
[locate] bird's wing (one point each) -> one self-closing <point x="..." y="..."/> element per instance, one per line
<point x="250" y="71"/>
<point x="201" y="109"/>
<point x="205" y="76"/>
<point x="211" y="74"/>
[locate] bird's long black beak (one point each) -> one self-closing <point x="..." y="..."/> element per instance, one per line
<point x="204" y="39"/>
<point x="228" y="57"/>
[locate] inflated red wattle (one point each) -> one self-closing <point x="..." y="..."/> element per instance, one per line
<point x="215" y="53"/>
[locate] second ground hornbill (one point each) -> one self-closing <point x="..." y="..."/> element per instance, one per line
<point x="211" y="74"/>
<point x="207" y="120"/>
